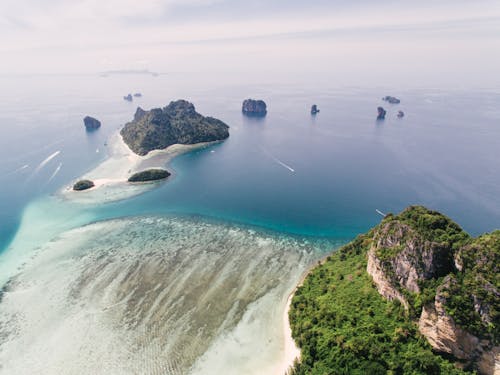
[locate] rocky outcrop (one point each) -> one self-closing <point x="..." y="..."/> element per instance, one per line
<point x="91" y="123"/>
<point x="391" y="99"/>
<point x="401" y="114"/>
<point x="128" y="98"/>
<point x="446" y="336"/>
<point x="383" y="284"/>
<point x="314" y="109"/>
<point x="137" y="95"/>
<point x="253" y="107"/>
<point x="176" y="123"/>
<point x="381" y="112"/>
<point x="408" y="256"/>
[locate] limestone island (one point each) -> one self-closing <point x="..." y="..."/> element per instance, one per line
<point x="83" y="185"/>
<point x="391" y="99"/>
<point x="401" y="114"/>
<point x="128" y="98"/>
<point x="381" y="112"/>
<point x="314" y="109"/>
<point x="148" y="175"/>
<point x="251" y="107"/>
<point x="414" y="295"/>
<point x="177" y="123"/>
<point x="91" y="123"/>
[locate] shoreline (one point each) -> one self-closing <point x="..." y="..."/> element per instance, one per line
<point x="110" y="177"/>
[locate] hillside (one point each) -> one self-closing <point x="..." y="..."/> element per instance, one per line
<point x="415" y="295"/>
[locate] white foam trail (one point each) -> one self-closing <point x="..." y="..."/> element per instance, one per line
<point x="380" y="212"/>
<point x="97" y="150"/>
<point x="55" y="172"/>
<point x="44" y="162"/>
<point x="19" y="169"/>
<point x="278" y="161"/>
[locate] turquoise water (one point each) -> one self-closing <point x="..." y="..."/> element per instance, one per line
<point x="443" y="154"/>
<point x="194" y="275"/>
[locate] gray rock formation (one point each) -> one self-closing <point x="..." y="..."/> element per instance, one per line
<point x="381" y="112"/>
<point x="253" y="107"/>
<point x="91" y="123"/>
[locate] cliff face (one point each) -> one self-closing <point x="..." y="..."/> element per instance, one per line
<point x="176" y="123"/>
<point x="448" y="281"/>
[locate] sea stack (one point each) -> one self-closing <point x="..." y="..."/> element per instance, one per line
<point x="391" y="99"/>
<point x="251" y="107"/>
<point x="381" y="113"/>
<point x="91" y="123"/>
<point x="128" y="98"/>
<point x="401" y="114"/>
<point x="314" y="109"/>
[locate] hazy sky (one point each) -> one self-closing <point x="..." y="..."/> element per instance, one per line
<point x="431" y="41"/>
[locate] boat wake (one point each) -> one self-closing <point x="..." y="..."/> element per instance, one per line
<point x="46" y="161"/>
<point x="278" y="160"/>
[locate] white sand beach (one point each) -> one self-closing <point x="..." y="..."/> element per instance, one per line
<point x="110" y="177"/>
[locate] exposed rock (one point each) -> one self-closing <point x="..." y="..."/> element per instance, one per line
<point x="253" y="107"/>
<point x="391" y="99"/>
<point x="149" y="175"/>
<point x="314" y="109"/>
<point x="137" y="94"/>
<point x="91" y="123"/>
<point x="176" y="123"/>
<point x="128" y="98"/>
<point x="408" y="257"/>
<point x="381" y="113"/>
<point x="139" y="113"/>
<point x="83" y="185"/>
<point x="401" y="114"/>
<point x="445" y="336"/>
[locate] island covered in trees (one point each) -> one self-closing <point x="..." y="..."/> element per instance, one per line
<point x="177" y="123"/>
<point x="414" y="295"/>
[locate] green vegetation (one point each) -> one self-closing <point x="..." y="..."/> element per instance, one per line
<point x="83" y="185"/>
<point x="176" y="123"/>
<point x="344" y="326"/>
<point x="149" y="175"/>
<point x="477" y="284"/>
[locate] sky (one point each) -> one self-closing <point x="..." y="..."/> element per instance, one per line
<point x="367" y="41"/>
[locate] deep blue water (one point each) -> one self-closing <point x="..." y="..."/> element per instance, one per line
<point x="443" y="154"/>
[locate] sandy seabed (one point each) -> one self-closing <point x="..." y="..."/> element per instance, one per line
<point x="154" y="295"/>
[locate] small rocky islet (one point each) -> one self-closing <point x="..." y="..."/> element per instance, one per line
<point x="91" y="123"/>
<point x="148" y="175"/>
<point x="83" y="185"/>
<point x="416" y="294"/>
<point x="254" y="108"/>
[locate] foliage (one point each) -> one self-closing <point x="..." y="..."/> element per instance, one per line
<point x="83" y="185"/>
<point x="176" y="123"/>
<point x="149" y="175"/>
<point x="343" y="326"/>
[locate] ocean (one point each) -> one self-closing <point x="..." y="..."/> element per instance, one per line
<point x="246" y="216"/>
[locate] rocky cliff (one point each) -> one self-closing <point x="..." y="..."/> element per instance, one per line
<point x="447" y="281"/>
<point x="176" y="123"/>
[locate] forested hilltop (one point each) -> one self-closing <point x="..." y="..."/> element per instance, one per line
<point x="414" y="295"/>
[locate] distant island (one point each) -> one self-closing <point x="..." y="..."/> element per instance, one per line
<point x="314" y="109"/>
<point x="414" y="295"/>
<point x="83" y="185"/>
<point x="177" y="123"/>
<point x="149" y="175"/>
<point x="391" y="99"/>
<point x="381" y="112"/>
<point x="251" y="107"/>
<point x="91" y="123"/>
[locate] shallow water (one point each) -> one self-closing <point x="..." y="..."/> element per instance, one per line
<point x="152" y="295"/>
